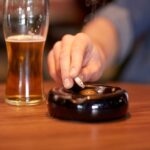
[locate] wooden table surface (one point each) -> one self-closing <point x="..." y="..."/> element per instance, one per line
<point x="31" y="128"/>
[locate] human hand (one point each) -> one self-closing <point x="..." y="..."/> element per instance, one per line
<point x="76" y="56"/>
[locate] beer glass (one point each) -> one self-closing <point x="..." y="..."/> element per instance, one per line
<point x="25" y="28"/>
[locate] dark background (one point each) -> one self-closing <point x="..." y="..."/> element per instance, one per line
<point x="66" y="17"/>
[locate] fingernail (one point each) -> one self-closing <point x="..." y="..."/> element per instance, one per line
<point x="67" y="83"/>
<point x="73" y="72"/>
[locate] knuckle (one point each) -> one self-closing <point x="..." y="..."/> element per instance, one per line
<point x="57" y="45"/>
<point x="83" y="36"/>
<point x="66" y="37"/>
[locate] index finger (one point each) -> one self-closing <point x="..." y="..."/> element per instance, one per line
<point x="65" y="61"/>
<point x="80" y="50"/>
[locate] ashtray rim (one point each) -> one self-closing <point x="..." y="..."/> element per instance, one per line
<point x="108" y="107"/>
<point x="58" y="91"/>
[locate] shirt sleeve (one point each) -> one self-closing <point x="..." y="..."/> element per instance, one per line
<point x="131" y="19"/>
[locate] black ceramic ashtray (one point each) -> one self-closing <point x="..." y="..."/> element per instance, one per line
<point x="93" y="103"/>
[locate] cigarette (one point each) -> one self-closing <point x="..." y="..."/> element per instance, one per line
<point x="79" y="82"/>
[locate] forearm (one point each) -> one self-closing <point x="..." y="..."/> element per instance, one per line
<point x="131" y="21"/>
<point x="104" y="35"/>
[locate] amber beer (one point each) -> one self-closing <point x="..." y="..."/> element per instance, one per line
<point x="24" y="82"/>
